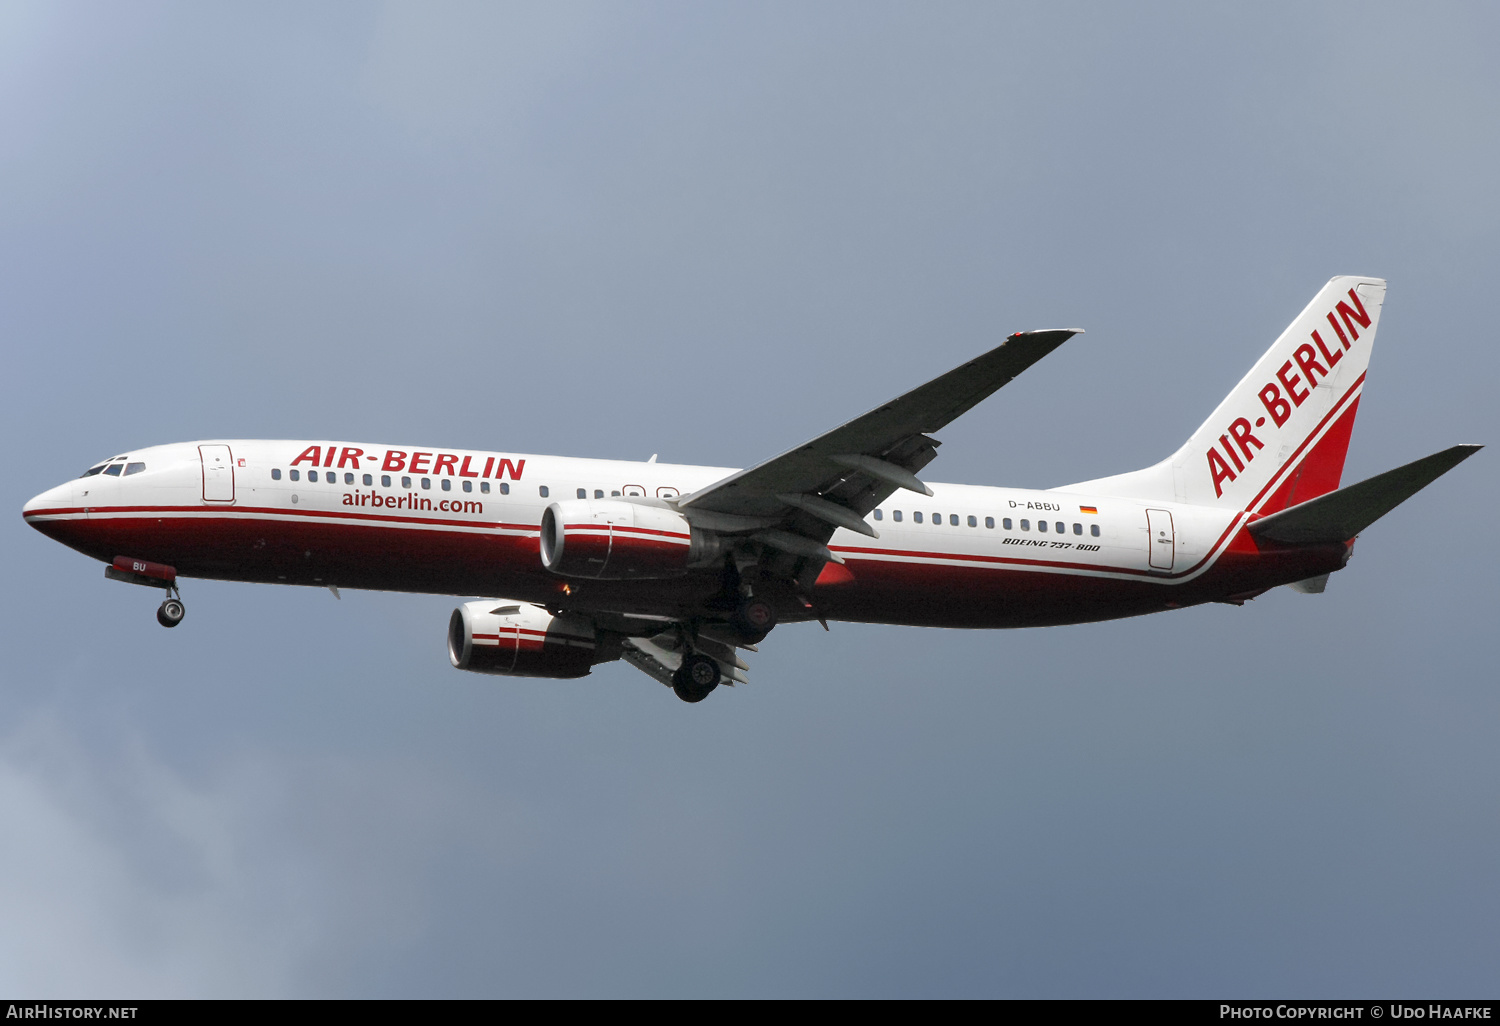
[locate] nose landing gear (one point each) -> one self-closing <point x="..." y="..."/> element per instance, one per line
<point x="151" y="575"/>
<point x="170" y="612"/>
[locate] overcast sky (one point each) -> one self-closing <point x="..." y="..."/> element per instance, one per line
<point x="711" y="231"/>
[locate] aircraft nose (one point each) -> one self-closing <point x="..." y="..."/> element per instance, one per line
<point x="53" y="499"/>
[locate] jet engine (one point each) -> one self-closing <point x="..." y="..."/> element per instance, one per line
<point x="519" y="639"/>
<point x="620" y="540"/>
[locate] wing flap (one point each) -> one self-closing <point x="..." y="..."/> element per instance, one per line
<point x="660" y="657"/>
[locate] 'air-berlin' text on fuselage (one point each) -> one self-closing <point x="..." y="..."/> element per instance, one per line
<point x="1239" y="443"/>
<point x="398" y="460"/>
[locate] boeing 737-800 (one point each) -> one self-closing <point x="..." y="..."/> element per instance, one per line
<point x="679" y="569"/>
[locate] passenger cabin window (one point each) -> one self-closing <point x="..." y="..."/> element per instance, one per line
<point x="973" y="522"/>
<point x="1077" y="528"/>
<point x="295" y="475"/>
<point x="896" y="515"/>
<point x="989" y="522"/>
<point x="368" y="480"/>
<point x="1094" y="530"/>
<point x="504" y="487"/>
<point x="484" y="486"/>
<point x="275" y="473"/>
<point x="406" y="482"/>
<point x="447" y="484"/>
<point x="1041" y="525"/>
<point x="385" y="480"/>
<point x="468" y="486"/>
<point x="598" y="493"/>
<point x="937" y="520"/>
<point x="1026" y="525"/>
<point x="1006" y="523"/>
<point x="312" y="475"/>
<point x="542" y="491"/>
<point x="953" y="519"/>
<point x="583" y="493"/>
<point x="134" y="468"/>
<point x="349" y="479"/>
<point x="879" y="515"/>
<point x="916" y="517"/>
<point x="1062" y="528"/>
<point x="426" y="484"/>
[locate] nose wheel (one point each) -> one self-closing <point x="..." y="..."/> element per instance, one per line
<point x="170" y="612"/>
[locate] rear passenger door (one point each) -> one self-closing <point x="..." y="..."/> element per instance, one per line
<point x="1162" y="539"/>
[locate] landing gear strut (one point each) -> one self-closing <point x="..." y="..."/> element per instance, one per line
<point x="696" y="678"/>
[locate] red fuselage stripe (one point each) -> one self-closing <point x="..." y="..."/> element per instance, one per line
<point x="273" y="512"/>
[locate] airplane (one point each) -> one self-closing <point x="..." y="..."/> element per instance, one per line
<point x="678" y="569"/>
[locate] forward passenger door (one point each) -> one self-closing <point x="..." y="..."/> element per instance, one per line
<point x="218" y="473"/>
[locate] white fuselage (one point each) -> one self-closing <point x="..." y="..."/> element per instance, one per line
<point x="467" y="521"/>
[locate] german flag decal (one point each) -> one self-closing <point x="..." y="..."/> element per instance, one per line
<point x="1089" y="509"/>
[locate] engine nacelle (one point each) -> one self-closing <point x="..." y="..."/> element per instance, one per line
<point x="619" y="540"/>
<point x="519" y="639"/>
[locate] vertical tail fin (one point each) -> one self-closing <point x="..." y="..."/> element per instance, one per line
<point x="1279" y="438"/>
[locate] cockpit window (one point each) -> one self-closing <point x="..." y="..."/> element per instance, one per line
<point x="105" y="467"/>
<point x="134" y="468"/>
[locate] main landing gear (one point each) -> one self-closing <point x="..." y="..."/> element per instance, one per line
<point x="753" y="619"/>
<point x="696" y="678"/>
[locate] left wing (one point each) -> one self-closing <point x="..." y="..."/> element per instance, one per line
<point x="797" y="499"/>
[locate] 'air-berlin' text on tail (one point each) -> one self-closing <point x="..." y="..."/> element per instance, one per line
<point x="1279" y="438"/>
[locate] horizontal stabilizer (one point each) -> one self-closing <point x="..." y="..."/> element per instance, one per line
<point x="1339" y="516"/>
